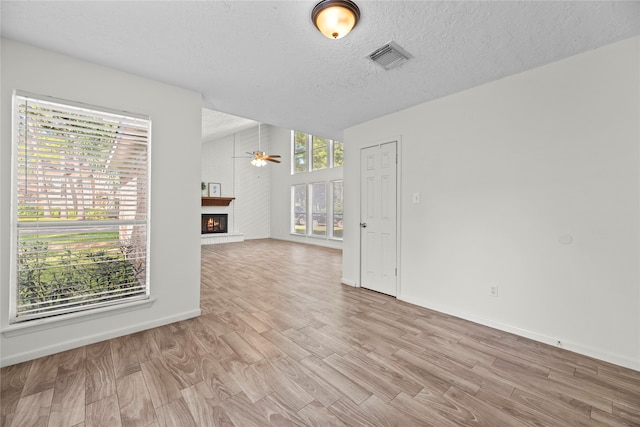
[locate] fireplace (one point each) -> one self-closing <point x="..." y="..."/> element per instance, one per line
<point x="214" y="223"/>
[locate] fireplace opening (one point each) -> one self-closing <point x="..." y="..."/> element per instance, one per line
<point x="214" y="223"/>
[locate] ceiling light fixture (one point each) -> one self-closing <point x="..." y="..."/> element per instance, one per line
<point x="335" y="18"/>
<point x="260" y="158"/>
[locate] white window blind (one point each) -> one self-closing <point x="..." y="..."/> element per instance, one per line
<point x="81" y="207"/>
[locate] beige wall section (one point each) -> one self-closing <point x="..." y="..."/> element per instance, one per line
<point x="507" y="172"/>
<point x="175" y="193"/>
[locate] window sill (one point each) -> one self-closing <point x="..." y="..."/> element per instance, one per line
<point x="334" y="239"/>
<point x="309" y="236"/>
<point x="38" y="325"/>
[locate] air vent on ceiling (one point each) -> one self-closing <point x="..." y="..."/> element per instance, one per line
<point x="390" y="56"/>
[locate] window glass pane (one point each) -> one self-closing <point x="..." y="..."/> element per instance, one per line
<point x="338" y="218"/>
<point x="299" y="209"/>
<point x="300" y="162"/>
<point x="320" y="153"/>
<point x="338" y="153"/>
<point x="300" y="141"/>
<point x="82" y="210"/>
<point x="319" y="208"/>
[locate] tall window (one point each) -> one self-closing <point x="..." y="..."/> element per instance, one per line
<point x="338" y="153"/>
<point x="326" y="216"/>
<point x="299" y="213"/>
<point x="300" y="142"/>
<point x="81" y="192"/>
<point x="319" y="208"/>
<point x="337" y="209"/>
<point x="320" y="153"/>
<point x="312" y="152"/>
<point x="316" y="206"/>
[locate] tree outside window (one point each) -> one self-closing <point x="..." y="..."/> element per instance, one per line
<point x="319" y="208"/>
<point x="81" y="195"/>
<point x="299" y="212"/>
<point x="300" y="142"/>
<point x="338" y="153"/>
<point x="316" y="208"/>
<point x="320" y="153"/>
<point x="338" y="217"/>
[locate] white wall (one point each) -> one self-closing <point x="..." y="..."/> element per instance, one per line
<point x="175" y="196"/>
<point x="506" y="172"/>
<point x="224" y="160"/>
<point x="281" y="182"/>
<point x="217" y="165"/>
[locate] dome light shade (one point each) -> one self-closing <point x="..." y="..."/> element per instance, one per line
<point x="258" y="159"/>
<point x="335" y="18"/>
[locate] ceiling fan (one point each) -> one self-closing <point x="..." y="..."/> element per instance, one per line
<point x="260" y="158"/>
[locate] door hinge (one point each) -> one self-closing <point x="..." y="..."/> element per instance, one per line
<point x="396" y="271"/>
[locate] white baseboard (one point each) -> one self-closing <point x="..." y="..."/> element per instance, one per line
<point x="86" y="340"/>
<point x="553" y="341"/>
<point x="309" y="240"/>
<point x="349" y="282"/>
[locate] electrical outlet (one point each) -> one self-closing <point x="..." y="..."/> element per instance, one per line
<point x="493" y="290"/>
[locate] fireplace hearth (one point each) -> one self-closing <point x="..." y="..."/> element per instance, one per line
<point x="214" y="223"/>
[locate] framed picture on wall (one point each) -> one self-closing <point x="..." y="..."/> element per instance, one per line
<point x="215" y="190"/>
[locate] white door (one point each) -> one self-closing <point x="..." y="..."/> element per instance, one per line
<point x="378" y="218"/>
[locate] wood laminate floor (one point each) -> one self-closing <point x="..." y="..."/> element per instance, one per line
<point x="281" y="342"/>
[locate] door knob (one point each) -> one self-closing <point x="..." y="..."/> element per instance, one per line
<point x="363" y="224"/>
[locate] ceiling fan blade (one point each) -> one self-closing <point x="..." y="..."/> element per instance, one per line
<point x="272" y="160"/>
<point x="273" y="155"/>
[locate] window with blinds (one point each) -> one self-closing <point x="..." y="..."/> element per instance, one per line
<point x="81" y="207"/>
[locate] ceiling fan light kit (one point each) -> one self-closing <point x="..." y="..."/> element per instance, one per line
<point x="260" y="158"/>
<point x="335" y="18"/>
<point x="258" y="162"/>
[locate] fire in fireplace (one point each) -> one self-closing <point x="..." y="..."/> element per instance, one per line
<point x="214" y="223"/>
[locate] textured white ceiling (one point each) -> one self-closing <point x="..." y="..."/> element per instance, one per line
<point x="265" y="60"/>
<point x="216" y="124"/>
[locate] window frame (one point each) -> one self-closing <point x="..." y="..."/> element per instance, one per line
<point x="309" y="153"/>
<point x="333" y="207"/>
<point x="294" y="217"/>
<point x="294" y="153"/>
<point x="313" y="213"/>
<point x="327" y="146"/>
<point x="315" y="176"/>
<point x="330" y="210"/>
<point x="109" y="300"/>
<point x="335" y="143"/>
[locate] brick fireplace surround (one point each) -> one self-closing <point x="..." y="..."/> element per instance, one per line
<point x="219" y="207"/>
